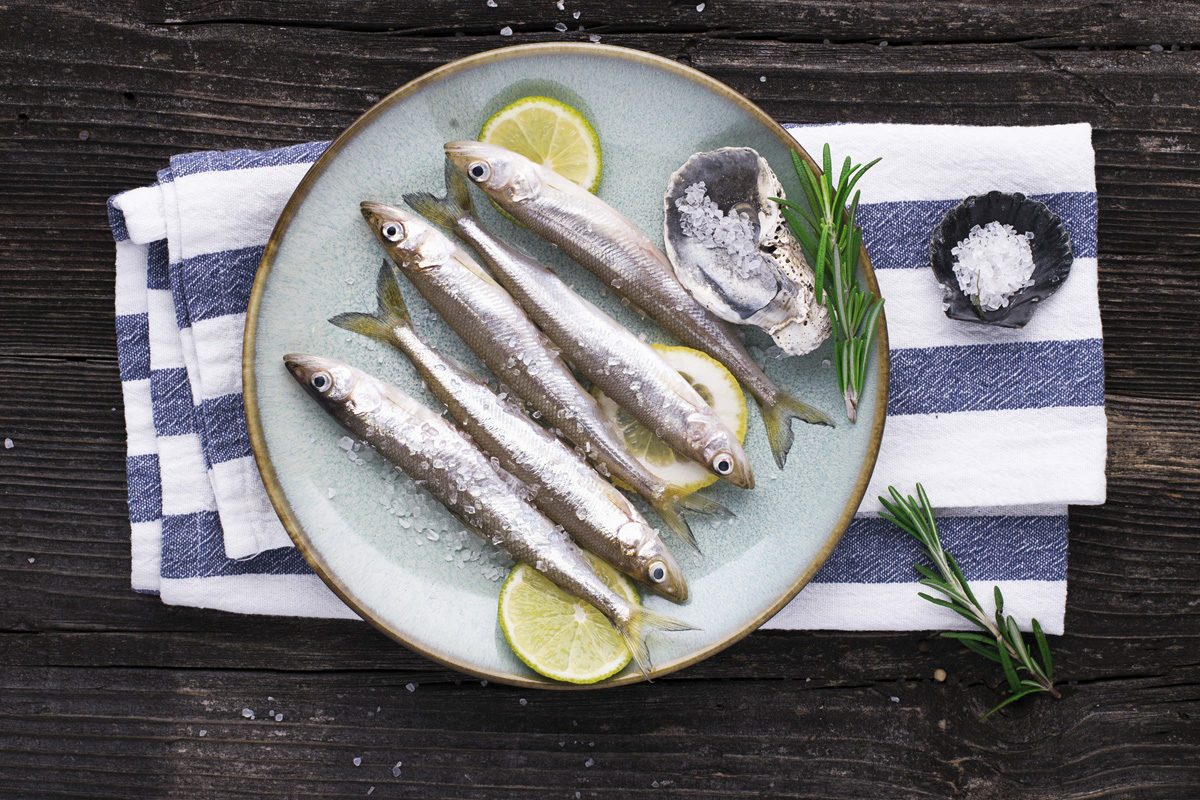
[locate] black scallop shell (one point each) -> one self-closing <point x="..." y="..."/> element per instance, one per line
<point x="1051" y="248"/>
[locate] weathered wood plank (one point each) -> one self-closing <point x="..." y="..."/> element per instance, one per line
<point x="136" y="733"/>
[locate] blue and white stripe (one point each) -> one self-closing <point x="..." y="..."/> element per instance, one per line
<point x="1005" y="428"/>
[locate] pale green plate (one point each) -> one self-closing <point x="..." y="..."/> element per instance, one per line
<point x="651" y="114"/>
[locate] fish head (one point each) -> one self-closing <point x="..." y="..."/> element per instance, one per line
<point x="508" y="178"/>
<point x="333" y="384"/>
<point x="657" y="567"/>
<point x="720" y="449"/>
<point x="411" y="241"/>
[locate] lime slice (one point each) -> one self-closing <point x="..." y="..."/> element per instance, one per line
<point x="718" y="388"/>
<point x="558" y="635"/>
<point x="551" y="133"/>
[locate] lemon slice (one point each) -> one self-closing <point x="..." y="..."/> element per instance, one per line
<point x="551" y="133"/>
<point x="718" y="388"/>
<point x="558" y="635"/>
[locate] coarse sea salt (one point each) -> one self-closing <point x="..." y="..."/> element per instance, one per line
<point x="993" y="263"/>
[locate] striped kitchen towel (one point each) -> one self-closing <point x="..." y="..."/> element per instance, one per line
<point x="1005" y="428"/>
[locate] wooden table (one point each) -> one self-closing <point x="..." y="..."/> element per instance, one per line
<point x="106" y="693"/>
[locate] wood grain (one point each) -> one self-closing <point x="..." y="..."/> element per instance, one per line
<point x="104" y="693"/>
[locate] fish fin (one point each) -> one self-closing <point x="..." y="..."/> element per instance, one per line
<point x="704" y="505"/>
<point x="391" y="314"/>
<point x="444" y="211"/>
<point x="642" y="622"/>
<point x="778" y="420"/>
<point x="668" y="510"/>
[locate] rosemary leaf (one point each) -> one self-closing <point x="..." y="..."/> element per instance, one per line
<point x="1000" y="639"/>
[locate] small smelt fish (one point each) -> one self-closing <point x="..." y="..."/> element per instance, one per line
<point x="615" y="250"/>
<point x="613" y="359"/>
<point x="429" y="449"/>
<point x="563" y="486"/>
<point x="492" y="324"/>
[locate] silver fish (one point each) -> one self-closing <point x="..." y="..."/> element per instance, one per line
<point x="428" y="448"/>
<point x="615" y="250"/>
<point x="596" y="345"/>
<point x="563" y="486"/>
<point x="499" y="332"/>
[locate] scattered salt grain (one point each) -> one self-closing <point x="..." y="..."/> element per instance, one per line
<point x="559" y="5"/>
<point x="396" y="769"/>
<point x="371" y="790"/>
<point x="993" y="263"/>
<point x="561" y="27"/>
<point x="331" y="493"/>
<point x="594" y="39"/>
<point x="32" y="559"/>
<point x="8" y="444"/>
<point x="491" y="3"/>
<point x="700" y="7"/>
<point x="506" y="31"/>
<point x="279" y="717"/>
<point x="248" y="713"/>
<point x="523" y="701"/>
<point x="589" y="762"/>
<point x="203" y="732"/>
<point x="357" y="761"/>
<point x="894" y="699"/>
<point x="412" y="687"/>
<point x="346" y="443"/>
<point x="575" y="14"/>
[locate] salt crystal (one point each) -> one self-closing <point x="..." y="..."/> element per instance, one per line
<point x="700" y="7"/>
<point x="357" y="761"/>
<point x="248" y="713"/>
<point x="371" y="790"/>
<point x="346" y="443"/>
<point x="203" y="732"/>
<point x="594" y="39"/>
<point x="894" y="699"/>
<point x="561" y="27"/>
<point x="589" y="762"/>
<point x="491" y="3"/>
<point x="32" y="559"/>
<point x="762" y="78"/>
<point x="575" y="14"/>
<point x="279" y="717"/>
<point x="412" y="687"/>
<point x="506" y="31"/>
<point x="993" y="263"/>
<point x="8" y="444"/>
<point x="331" y="492"/>
<point x="559" y="5"/>
<point x="396" y="769"/>
<point x="523" y="701"/>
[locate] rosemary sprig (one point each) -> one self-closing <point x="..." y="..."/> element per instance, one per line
<point x="827" y="232"/>
<point x="1001" y="640"/>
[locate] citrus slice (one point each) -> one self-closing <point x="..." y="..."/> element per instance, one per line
<point x="558" y="635"/>
<point x="551" y="133"/>
<point x="718" y="388"/>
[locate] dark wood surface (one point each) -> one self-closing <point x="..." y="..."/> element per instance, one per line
<point x="105" y="693"/>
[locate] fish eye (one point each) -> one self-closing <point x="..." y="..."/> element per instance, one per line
<point x="479" y="170"/>
<point x="657" y="571"/>
<point x="392" y="231"/>
<point x="723" y="464"/>
<point x="320" y="381"/>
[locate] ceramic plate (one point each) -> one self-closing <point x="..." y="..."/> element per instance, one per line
<point x="403" y="564"/>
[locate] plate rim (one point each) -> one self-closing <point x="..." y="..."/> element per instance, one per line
<point x="250" y="391"/>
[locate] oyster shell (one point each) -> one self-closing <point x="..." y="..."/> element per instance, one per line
<point x="731" y="248"/>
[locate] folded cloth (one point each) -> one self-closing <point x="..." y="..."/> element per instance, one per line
<point x="1004" y="428"/>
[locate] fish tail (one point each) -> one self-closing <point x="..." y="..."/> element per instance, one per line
<point x="778" y="420"/>
<point x="700" y="504"/>
<point x="641" y="622"/>
<point x="444" y="211"/>
<point x="669" y="509"/>
<point x="391" y="314"/>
